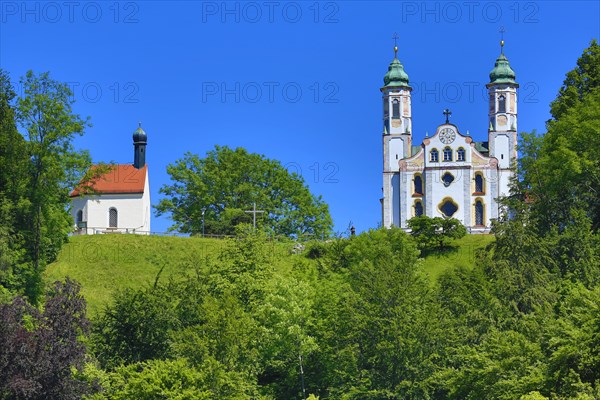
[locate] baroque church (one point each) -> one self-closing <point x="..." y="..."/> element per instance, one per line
<point x="118" y="201"/>
<point x="448" y="174"/>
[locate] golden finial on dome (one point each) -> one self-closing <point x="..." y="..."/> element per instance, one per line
<point x="395" y="37"/>
<point x="502" y="39"/>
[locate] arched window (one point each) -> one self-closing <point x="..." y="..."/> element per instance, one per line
<point x="479" y="213"/>
<point x="418" y="208"/>
<point x="460" y="154"/>
<point x="113" y="218"/>
<point x="418" y="184"/>
<point x="479" y="187"/>
<point x="434" y="155"/>
<point x="79" y="217"/>
<point x="502" y="104"/>
<point x="395" y="109"/>
<point x="447" y="154"/>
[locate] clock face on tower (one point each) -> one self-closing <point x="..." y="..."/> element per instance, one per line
<point x="447" y="135"/>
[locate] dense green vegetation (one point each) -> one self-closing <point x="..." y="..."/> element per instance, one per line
<point x="38" y="169"/>
<point x="213" y="195"/>
<point x="346" y="318"/>
<point x="103" y="264"/>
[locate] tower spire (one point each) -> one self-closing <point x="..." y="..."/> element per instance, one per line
<point x="140" y="140"/>
<point x="502" y="30"/>
<point x="395" y="37"/>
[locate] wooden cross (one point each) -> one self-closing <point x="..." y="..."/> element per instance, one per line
<point x="254" y="211"/>
<point x="447" y="113"/>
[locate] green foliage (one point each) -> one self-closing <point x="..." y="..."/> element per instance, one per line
<point x="13" y="200"/>
<point x="135" y="328"/>
<point x="505" y="365"/>
<point x="219" y="188"/>
<point x="358" y="318"/>
<point x="37" y="173"/>
<point x="435" y="233"/>
<point x="579" y="82"/>
<point x="561" y="170"/>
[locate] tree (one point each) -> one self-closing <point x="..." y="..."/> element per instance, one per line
<point x="13" y="184"/>
<point x="54" y="167"/>
<point x="41" y="352"/>
<point x="435" y="232"/>
<point x="579" y="82"/>
<point x="560" y="171"/>
<point x="212" y="195"/>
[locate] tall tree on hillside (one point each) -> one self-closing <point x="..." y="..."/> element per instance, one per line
<point x="13" y="159"/>
<point x="49" y="124"/>
<point x="216" y="191"/>
<point x="579" y="82"/>
<point x="560" y="171"/>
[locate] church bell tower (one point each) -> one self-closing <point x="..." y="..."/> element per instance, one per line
<point x="502" y="132"/>
<point x="397" y="135"/>
<point x="139" y="147"/>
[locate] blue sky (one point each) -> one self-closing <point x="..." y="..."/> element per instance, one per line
<point x="296" y="81"/>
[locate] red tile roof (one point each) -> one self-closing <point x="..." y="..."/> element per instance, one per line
<point x="122" y="178"/>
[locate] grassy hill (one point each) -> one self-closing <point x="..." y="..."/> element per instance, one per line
<point x="105" y="263"/>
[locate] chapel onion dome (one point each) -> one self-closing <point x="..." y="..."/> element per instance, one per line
<point x="395" y="77"/>
<point x="139" y="135"/>
<point x="502" y="72"/>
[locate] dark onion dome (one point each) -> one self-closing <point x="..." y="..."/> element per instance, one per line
<point x="139" y="135"/>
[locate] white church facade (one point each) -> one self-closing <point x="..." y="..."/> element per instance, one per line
<point x="118" y="201"/>
<point x="448" y="174"/>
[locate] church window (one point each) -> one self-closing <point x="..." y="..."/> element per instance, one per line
<point x="418" y="208"/>
<point x="447" y="154"/>
<point x="479" y="187"/>
<point x="112" y="218"/>
<point x="418" y="184"/>
<point x="460" y="154"/>
<point x="434" y="155"/>
<point x="447" y="179"/>
<point x="448" y="207"/>
<point x="79" y="217"/>
<point x="479" y="213"/>
<point x="502" y="104"/>
<point x="395" y="109"/>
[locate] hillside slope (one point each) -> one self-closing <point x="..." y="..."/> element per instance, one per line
<point x="105" y="263"/>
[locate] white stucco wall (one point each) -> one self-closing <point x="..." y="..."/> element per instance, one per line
<point x="133" y="211"/>
<point x="461" y="191"/>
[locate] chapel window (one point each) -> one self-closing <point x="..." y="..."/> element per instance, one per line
<point x="460" y="154"/>
<point x="112" y="218"/>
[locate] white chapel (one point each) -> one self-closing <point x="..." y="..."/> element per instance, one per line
<point x="118" y="201"/>
<point x="448" y="174"/>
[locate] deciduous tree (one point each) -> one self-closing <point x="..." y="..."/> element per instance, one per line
<point x="212" y="195"/>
